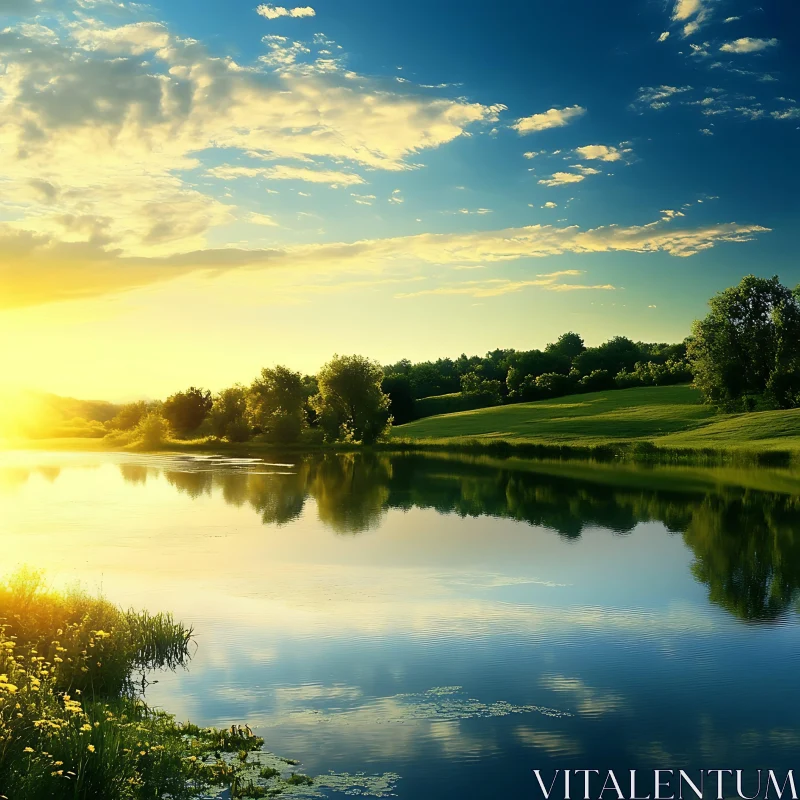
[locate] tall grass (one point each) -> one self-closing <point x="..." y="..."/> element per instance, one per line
<point x="71" y="723"/>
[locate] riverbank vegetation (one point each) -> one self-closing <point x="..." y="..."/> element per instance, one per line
<point x="73" y="725"/>
<point x="743" y="357"/>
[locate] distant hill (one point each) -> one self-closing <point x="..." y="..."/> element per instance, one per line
<point x="38" y="415"/>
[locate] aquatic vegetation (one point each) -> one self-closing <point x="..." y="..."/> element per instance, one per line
<point x="73" y="723"/>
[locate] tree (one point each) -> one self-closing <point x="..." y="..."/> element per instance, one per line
<point x="128" y="416"/>
<point x="748" y="347"/>
<point x="568" y="344"/>
<point x="277" y="402"/>
<point x="351" y="404"/>
<point x="615" y="355"/>
<point x="474" y="383"/>
<point x="186" y="411"/>
<point x="229" y="415"/>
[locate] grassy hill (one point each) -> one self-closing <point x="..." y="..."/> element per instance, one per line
<point x="669" y="416"/>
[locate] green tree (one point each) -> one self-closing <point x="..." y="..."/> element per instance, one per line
<point x="229" y="415"/>
<point x="277" y="401"/>
<point x="748" y="347"/>
<point x="186" y="411"/>
<point x="475" y="383"/>
<point x="351" y="404"/>
<point x="568" y="344"/>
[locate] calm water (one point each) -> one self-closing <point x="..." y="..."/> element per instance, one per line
<point x="457" y="622"/>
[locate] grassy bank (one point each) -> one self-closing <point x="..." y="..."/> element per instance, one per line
<point x="72" y="725"/>
<point x="637" y="421"/>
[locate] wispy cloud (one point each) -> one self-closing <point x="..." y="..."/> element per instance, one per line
<point x="36" y="269"/>
<point x="748" y="45"/>
<point x="554" y="118"/>
<point x="496" y="287"/>
<point x="396" y="197"/>
<point x="283" y="172"/>
<point x="274" y="12"/>
<point x="658" y="97"/>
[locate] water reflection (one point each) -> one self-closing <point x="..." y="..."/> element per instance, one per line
<point x="746" y="543"/>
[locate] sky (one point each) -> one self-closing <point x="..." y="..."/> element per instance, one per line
<point x="190" y="191"/>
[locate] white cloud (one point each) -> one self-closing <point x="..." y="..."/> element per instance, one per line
<point x="396" y="197"/>
<point x="561" y="179"/>
<point x="706" y="131"/>
<point x="282" y="172"/>
<point x="363" y="199"/>
<point x="664" y="36"/>
<point x="748" y="45"/>
<point x="554" y="118"/>
<point x="599" y="152"/>
<point x="550" y="204"/>
<point x="480" y="211"/>
<point x="731" y="19"/>
<point x="274" y="12"/>
<point x="534" y="153"/>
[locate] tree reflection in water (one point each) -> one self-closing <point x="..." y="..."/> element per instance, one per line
<point x="746" y="543"/>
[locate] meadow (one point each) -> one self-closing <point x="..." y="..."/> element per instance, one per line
<point x="666" y="417"/>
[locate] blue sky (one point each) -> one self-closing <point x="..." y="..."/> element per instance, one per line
<point x="195" y="190"/>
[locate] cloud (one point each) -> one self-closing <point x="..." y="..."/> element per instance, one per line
<point x="261" y="219"/>
<point x="150" y="121"/>
<point x="283" y="172"/>
<point x="274" y="12"/>
<point x="693" y="13"/>
<point x="554" y="118"/>
<point x="748" y="45"/>
<point x="561" y="179"/>
<point x="497" y="287"/>
<point x="706" y="131"/>
<point x="534" y="153"/>
<point x="134" y="39"/>
<point x="585" y="170"/>
<point x="789" y="113"/>
<point x="396" y="197"/>
<point x="363" y="199"/>
<point x="658" y="97"/>
<point x="480" y="211"/>
<point x="36" y="269"/>
<point x="599" y="152"/>
<point x="664" y="36"/>
<point x="550" y="204"/>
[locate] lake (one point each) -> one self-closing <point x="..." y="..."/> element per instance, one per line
<point x="439" y="626"/>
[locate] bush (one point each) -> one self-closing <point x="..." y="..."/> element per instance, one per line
<point x="553" y="384"/>
<point x="597" y="381"/>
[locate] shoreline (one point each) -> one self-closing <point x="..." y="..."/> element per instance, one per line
<point x="629" y="451"/>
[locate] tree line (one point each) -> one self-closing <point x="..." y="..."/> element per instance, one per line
<point x="744" y="356"/>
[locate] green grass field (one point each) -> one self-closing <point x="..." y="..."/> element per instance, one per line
<point x="668" y="416"/>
